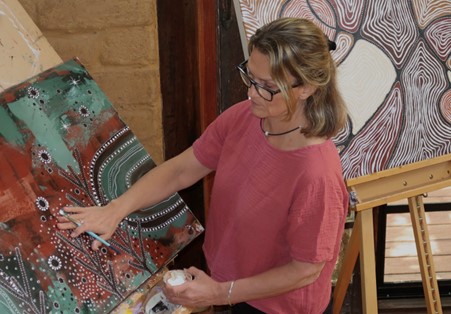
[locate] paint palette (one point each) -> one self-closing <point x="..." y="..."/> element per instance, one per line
<point x="63" y="144"/>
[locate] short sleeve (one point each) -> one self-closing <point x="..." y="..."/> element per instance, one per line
<point x="316" y="221"/>
<point x="208" y="147"/>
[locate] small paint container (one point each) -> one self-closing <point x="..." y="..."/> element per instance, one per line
<point x="157" y="303"/>
<point x="176" y="277"/>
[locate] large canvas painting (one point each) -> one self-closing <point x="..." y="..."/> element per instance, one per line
<point x="394" y="71"/>
<point x="62" y="144"/>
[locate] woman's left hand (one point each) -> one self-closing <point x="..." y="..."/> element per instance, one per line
<point x="199" y="292"/>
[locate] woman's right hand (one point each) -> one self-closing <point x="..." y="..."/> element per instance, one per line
<point x="102" y="220"/>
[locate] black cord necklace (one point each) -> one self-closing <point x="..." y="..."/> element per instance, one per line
<point x="267" y="133"/>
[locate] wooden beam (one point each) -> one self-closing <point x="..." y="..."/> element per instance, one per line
<point x="208" y="77"/>
<point x="367" y="263"/>
<point x="400" y="183"/>
<point x="425" y="258"/>
<point x="347" y="266"/>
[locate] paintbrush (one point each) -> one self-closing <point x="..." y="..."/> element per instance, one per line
<point x="92" y="234"/>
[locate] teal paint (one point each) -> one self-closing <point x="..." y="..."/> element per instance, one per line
<point x="61" y="293"/>
<point x="9" y="130"/>
<point x="45" y="130"/>
<point x="140" y="278"/>
<point x="7" y="305"/>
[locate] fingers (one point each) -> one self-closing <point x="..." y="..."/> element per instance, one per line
<point x="77" y="231"/>
<point x="80" y="230"/>
<point x="195" y="272"/>
<point x="70" y="222"/>
<point x="70" y="209"/>
<point x="96" y="245"/>
<point x="174" y="293"/>
<point x="74" y="218"/>
<point x="65" y="225"/>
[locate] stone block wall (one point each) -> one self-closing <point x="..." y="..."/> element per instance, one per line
<point x="117" y="41"/>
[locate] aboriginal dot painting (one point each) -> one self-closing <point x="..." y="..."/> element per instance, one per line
<point x="394" y="72"/>
<point x="62" y="143"/>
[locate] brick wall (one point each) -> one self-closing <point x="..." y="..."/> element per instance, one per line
<point x="117" y="41"/>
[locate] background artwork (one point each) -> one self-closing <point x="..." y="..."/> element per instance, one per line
<point x="24" y="51"/>
<point x="62" y="143"/>
<point x="394" y="71"/>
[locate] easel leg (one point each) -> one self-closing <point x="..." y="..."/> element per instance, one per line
<point x="367" y="262"/>
<point x="349" y="260"/>
<point x="424" y="252"/>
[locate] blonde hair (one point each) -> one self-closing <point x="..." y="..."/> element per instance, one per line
<point x="297" y="47"/>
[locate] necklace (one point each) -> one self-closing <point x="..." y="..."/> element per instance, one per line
<point x="267" y="133"/>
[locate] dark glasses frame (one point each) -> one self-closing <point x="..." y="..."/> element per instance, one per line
<point x="246" y="78"/>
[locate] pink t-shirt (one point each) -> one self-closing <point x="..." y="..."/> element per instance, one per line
<point x="270" y="206"/>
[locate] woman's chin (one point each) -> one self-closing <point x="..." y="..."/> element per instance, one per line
<point x="256" y="111"/>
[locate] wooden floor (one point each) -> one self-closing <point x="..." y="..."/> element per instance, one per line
<point x="401" y="263"/>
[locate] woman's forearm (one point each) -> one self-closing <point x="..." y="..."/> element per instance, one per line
<point x="161" y="182"/>
<point x="279" y="280"/>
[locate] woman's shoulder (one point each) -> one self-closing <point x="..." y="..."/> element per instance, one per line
<point x="236" y="116"/>
<point x="238" y="109"/>
<point x="232" y="120"/>
<point x="320" y="160"/>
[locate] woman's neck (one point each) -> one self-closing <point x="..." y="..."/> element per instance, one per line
<point x="280" y="125"/>
<point x="287" y="135"/>
<point x="268" y="133"/>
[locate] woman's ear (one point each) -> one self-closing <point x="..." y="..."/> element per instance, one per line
<point x="304" y="92"/>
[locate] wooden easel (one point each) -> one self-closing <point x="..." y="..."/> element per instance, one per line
<point x="411" y="182"/>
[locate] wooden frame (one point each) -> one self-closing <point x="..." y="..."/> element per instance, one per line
<point x="409" y="181"/>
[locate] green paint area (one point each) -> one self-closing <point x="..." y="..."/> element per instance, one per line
<point x="53" y="108"/>
<point x="45" y="130"/>
<point x="116" y="166"/>
<point x="60" y="298"/>
<point x="7" y="305"/>
<point x="9" y="130"/>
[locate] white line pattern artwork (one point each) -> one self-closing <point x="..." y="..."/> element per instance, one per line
<point x="394" y="71"/>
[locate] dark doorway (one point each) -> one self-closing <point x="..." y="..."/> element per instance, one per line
<point x="198" y="81"/>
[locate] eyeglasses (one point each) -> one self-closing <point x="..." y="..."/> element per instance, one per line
<point x="264" y="92"/>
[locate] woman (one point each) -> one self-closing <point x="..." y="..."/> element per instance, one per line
<point x="279" y="202"/>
